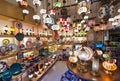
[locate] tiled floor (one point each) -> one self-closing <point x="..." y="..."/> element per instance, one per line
<point x="55" y="73"/>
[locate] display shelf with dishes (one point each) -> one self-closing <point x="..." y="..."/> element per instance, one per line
<point x="47" y="64"/>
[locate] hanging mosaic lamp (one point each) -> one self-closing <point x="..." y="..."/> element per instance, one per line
<point x="43" y="11"/>
<point x="57" y="4"/>
<point x="61" y="19"/>
<point x="65" y="23"/>
<point x="52" y="12"/>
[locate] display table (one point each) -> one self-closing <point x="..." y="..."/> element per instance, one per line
<point x="102" y="75"/>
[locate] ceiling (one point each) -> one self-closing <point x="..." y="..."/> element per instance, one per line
<point x="71" y="10"/>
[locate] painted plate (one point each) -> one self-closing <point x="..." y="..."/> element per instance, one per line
<point x="12" y="47"/>
<point x="19" y="25"/>
<point x="6" y="41"/>
<point x="3" y="50"/>
<point x="29" y="44"/>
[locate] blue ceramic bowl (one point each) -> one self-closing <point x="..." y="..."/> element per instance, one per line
<point x="6" y="75"/>
<point x="15" y="68"/>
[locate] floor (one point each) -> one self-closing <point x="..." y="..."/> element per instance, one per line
<point x="55" y="73"/>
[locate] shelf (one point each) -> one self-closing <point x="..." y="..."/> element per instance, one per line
<point x="7" y="36"/>
<point x="11" y="54"/>
<point x="39" y="76"/>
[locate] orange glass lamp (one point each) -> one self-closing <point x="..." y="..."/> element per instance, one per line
<point x="109" y="66"/>
<point x="12" y="30"/>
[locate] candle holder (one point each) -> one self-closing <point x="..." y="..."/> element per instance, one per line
<point x="95" y="67"/>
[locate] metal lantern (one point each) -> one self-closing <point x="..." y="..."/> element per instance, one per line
<point x="36" y="3"/>
<point x="109" y="66"/>
<point x="43" y="11"/>
<point x="85" y="53"/>
<point x="52" y="12"/>
<point x="95" y="65"/>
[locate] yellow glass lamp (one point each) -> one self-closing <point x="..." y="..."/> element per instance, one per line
<point x="12" y="30"/>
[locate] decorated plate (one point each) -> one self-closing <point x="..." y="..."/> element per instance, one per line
<point x="2" y="66"/>
<point x="3" y="50"/>
<point x="19" y="25"/>
<point x="22" y="46"/>
<point x="29" y="44"/>
<point x="12" y="47"/>
<point x="6" y="41"/>
<point x="15" y="68"/>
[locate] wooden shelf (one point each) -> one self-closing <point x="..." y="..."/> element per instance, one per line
<point x="7" y="35"/>
<point x="39" y="76"/>
<point x="11" y="54"/>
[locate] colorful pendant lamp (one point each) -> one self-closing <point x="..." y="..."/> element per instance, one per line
<point x="52" y="12"/>
<point x="57" y="4"/>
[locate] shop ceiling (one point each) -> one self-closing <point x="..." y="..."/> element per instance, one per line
<point x="70" y="5"/>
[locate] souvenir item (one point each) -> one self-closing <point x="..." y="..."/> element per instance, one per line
<point x="105" y="56"/>
<point x="101" y="12"/>
<point x="6" y="41"/>
<point x="99" y="52"/>
<point x="85" y="53"/>
<point x="2" y="66"/>
<point x="7" y="75"/>
<point x="112" y="10"/>
<point x="19" y="36"/>
<point x="12" y="47"/>
<point x="29" y="44"/>
<point x="15" y="68"/>
<point x="22" y="46"/>
<point x="19" y="25"/>
<point x="3" y="50"/>
<point x="109" y="66"/>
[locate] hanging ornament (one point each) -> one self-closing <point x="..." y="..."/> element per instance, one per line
<point x="57" y="4"/>
<point x="52" y="12"/>
<point x="42" y="11"/>
<point x="48" y="20"/>
<point x="61" y="20"/>
<point x="56" y="36"/>
<point x="81" y="10"/>
<point x="66" y="28"/>
<point x="65" y="23"/>
<point x="112" y="10"/>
